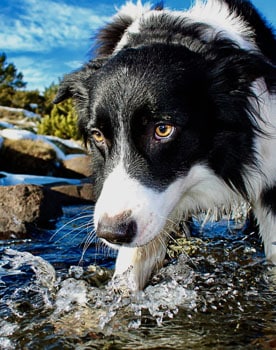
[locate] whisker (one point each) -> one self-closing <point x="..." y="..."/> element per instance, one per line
<point x="88" y="241"/>
<point x="90" y="237"/>
<point x="76" y="231"/>
<point x="69" y="223"/>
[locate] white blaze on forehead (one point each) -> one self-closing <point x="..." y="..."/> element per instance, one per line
<point x="118" y="193"/>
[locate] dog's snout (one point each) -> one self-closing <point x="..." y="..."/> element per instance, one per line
<point x="120" y="229"/>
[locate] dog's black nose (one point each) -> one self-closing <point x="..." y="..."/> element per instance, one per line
<point x="120" y="229"/>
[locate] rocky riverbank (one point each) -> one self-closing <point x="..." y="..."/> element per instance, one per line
<point x="28" y="206"/>
<point x="38" y="176"/>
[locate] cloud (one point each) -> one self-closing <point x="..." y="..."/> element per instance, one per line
<point x="75" y="64"/>
<point x="44" y="25"/>
<point x="37" y="73"/>
<point x="46" y="39"/>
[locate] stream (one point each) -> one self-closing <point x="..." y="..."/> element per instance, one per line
<point x="220" y="293"/>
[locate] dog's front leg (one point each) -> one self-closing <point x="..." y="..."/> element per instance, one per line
<point x="134" y="266"/>
<point x="266" y="219"/>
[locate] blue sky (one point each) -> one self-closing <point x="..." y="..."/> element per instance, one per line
<point x="48" y="38"/>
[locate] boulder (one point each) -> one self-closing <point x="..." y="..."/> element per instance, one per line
<point x="27" y="157"/>
<point x="35" y="157"/>
<point x="80" y="164"/>
<point x="24" y="205"/>
<point x="75" y="194"/>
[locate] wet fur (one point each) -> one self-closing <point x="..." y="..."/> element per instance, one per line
<point x="209" y="71"/>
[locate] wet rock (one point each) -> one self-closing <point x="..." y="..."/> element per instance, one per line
<point x="97" y="276"/>
<point x="27" y="157"/>
<point x="79" y="164"/>
<point x="24" y="205"/>
<point x="36" y="157"/>
<point x="75" y="194"/>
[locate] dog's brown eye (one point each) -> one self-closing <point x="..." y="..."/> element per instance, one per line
<point x="163" y="131"/>
<point x="98" y="136"/>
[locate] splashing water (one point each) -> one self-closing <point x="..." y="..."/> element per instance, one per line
<point x="219" y="293"/>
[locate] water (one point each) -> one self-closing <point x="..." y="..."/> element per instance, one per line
<point x="220" y="296"/>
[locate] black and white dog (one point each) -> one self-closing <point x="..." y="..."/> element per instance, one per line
<point x="179" y="110"/>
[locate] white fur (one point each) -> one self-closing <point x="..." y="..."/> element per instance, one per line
<point x="211" y="12"/>
<point x="267" y="222"/>
<point x="149" y="208"/>
<point x="266" y="145"/>
<point x="135" y="265"/>
<point x="218" y="16"/>
<point x="132" y="10"/>
<point x="155" y="214"/>
<point x="200" y="189"/>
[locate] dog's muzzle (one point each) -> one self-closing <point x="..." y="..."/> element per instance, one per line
<point x="120" y="229"/>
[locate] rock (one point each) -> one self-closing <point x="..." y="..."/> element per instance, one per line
<point x="79" y="164"/>
<point x="22" y="205"/>
<point x="27" y="157"/>
<point x="75" y="194"/>
<point x="35" y="157"/>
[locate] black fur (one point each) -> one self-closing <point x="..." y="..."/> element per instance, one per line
<point x="171" y="54"/>
<point x="260" y="29"/>
<point x="109" y="36"/>
<point x="269" y="199"/>
<point x="223" y="116"/>
<point x="112" y="33"/>
<point x="170" y="70"/>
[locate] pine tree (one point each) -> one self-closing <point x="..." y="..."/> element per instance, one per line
<point x="10" y="81"/>
<point x="9" y="75"/>
<point x="62" y="122"/>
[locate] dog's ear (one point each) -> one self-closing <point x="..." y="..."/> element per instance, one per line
<point x="66" y="87"/>
<point x="234" y="69"/>
<point x="232" y="73"/>
<point x="75" y="84"/>
<point x="231" y="84"/>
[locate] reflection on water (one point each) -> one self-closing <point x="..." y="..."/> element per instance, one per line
<point x="221" y="296"/>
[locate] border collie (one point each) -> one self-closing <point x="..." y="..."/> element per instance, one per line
<point x="179" y="111"/>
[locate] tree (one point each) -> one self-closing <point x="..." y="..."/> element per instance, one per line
<point x="9" y="77"/>
<point x="29" y="99"/>
<point x="10" y="82"/>
<point x="6" y="95"/>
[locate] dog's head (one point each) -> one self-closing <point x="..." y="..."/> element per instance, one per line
<point x="153" y="116"/>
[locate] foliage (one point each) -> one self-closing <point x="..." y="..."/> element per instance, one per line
<point x="62" y="122"/>
<point x="30" y="100"/>
<point x="11" y="116"/>
<point x="6" y="95"/>
<point x="10" y="84"/>
<point x="9" y="77"/>
<point x="57" y="120"/>
<point x="49" y="95"/>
